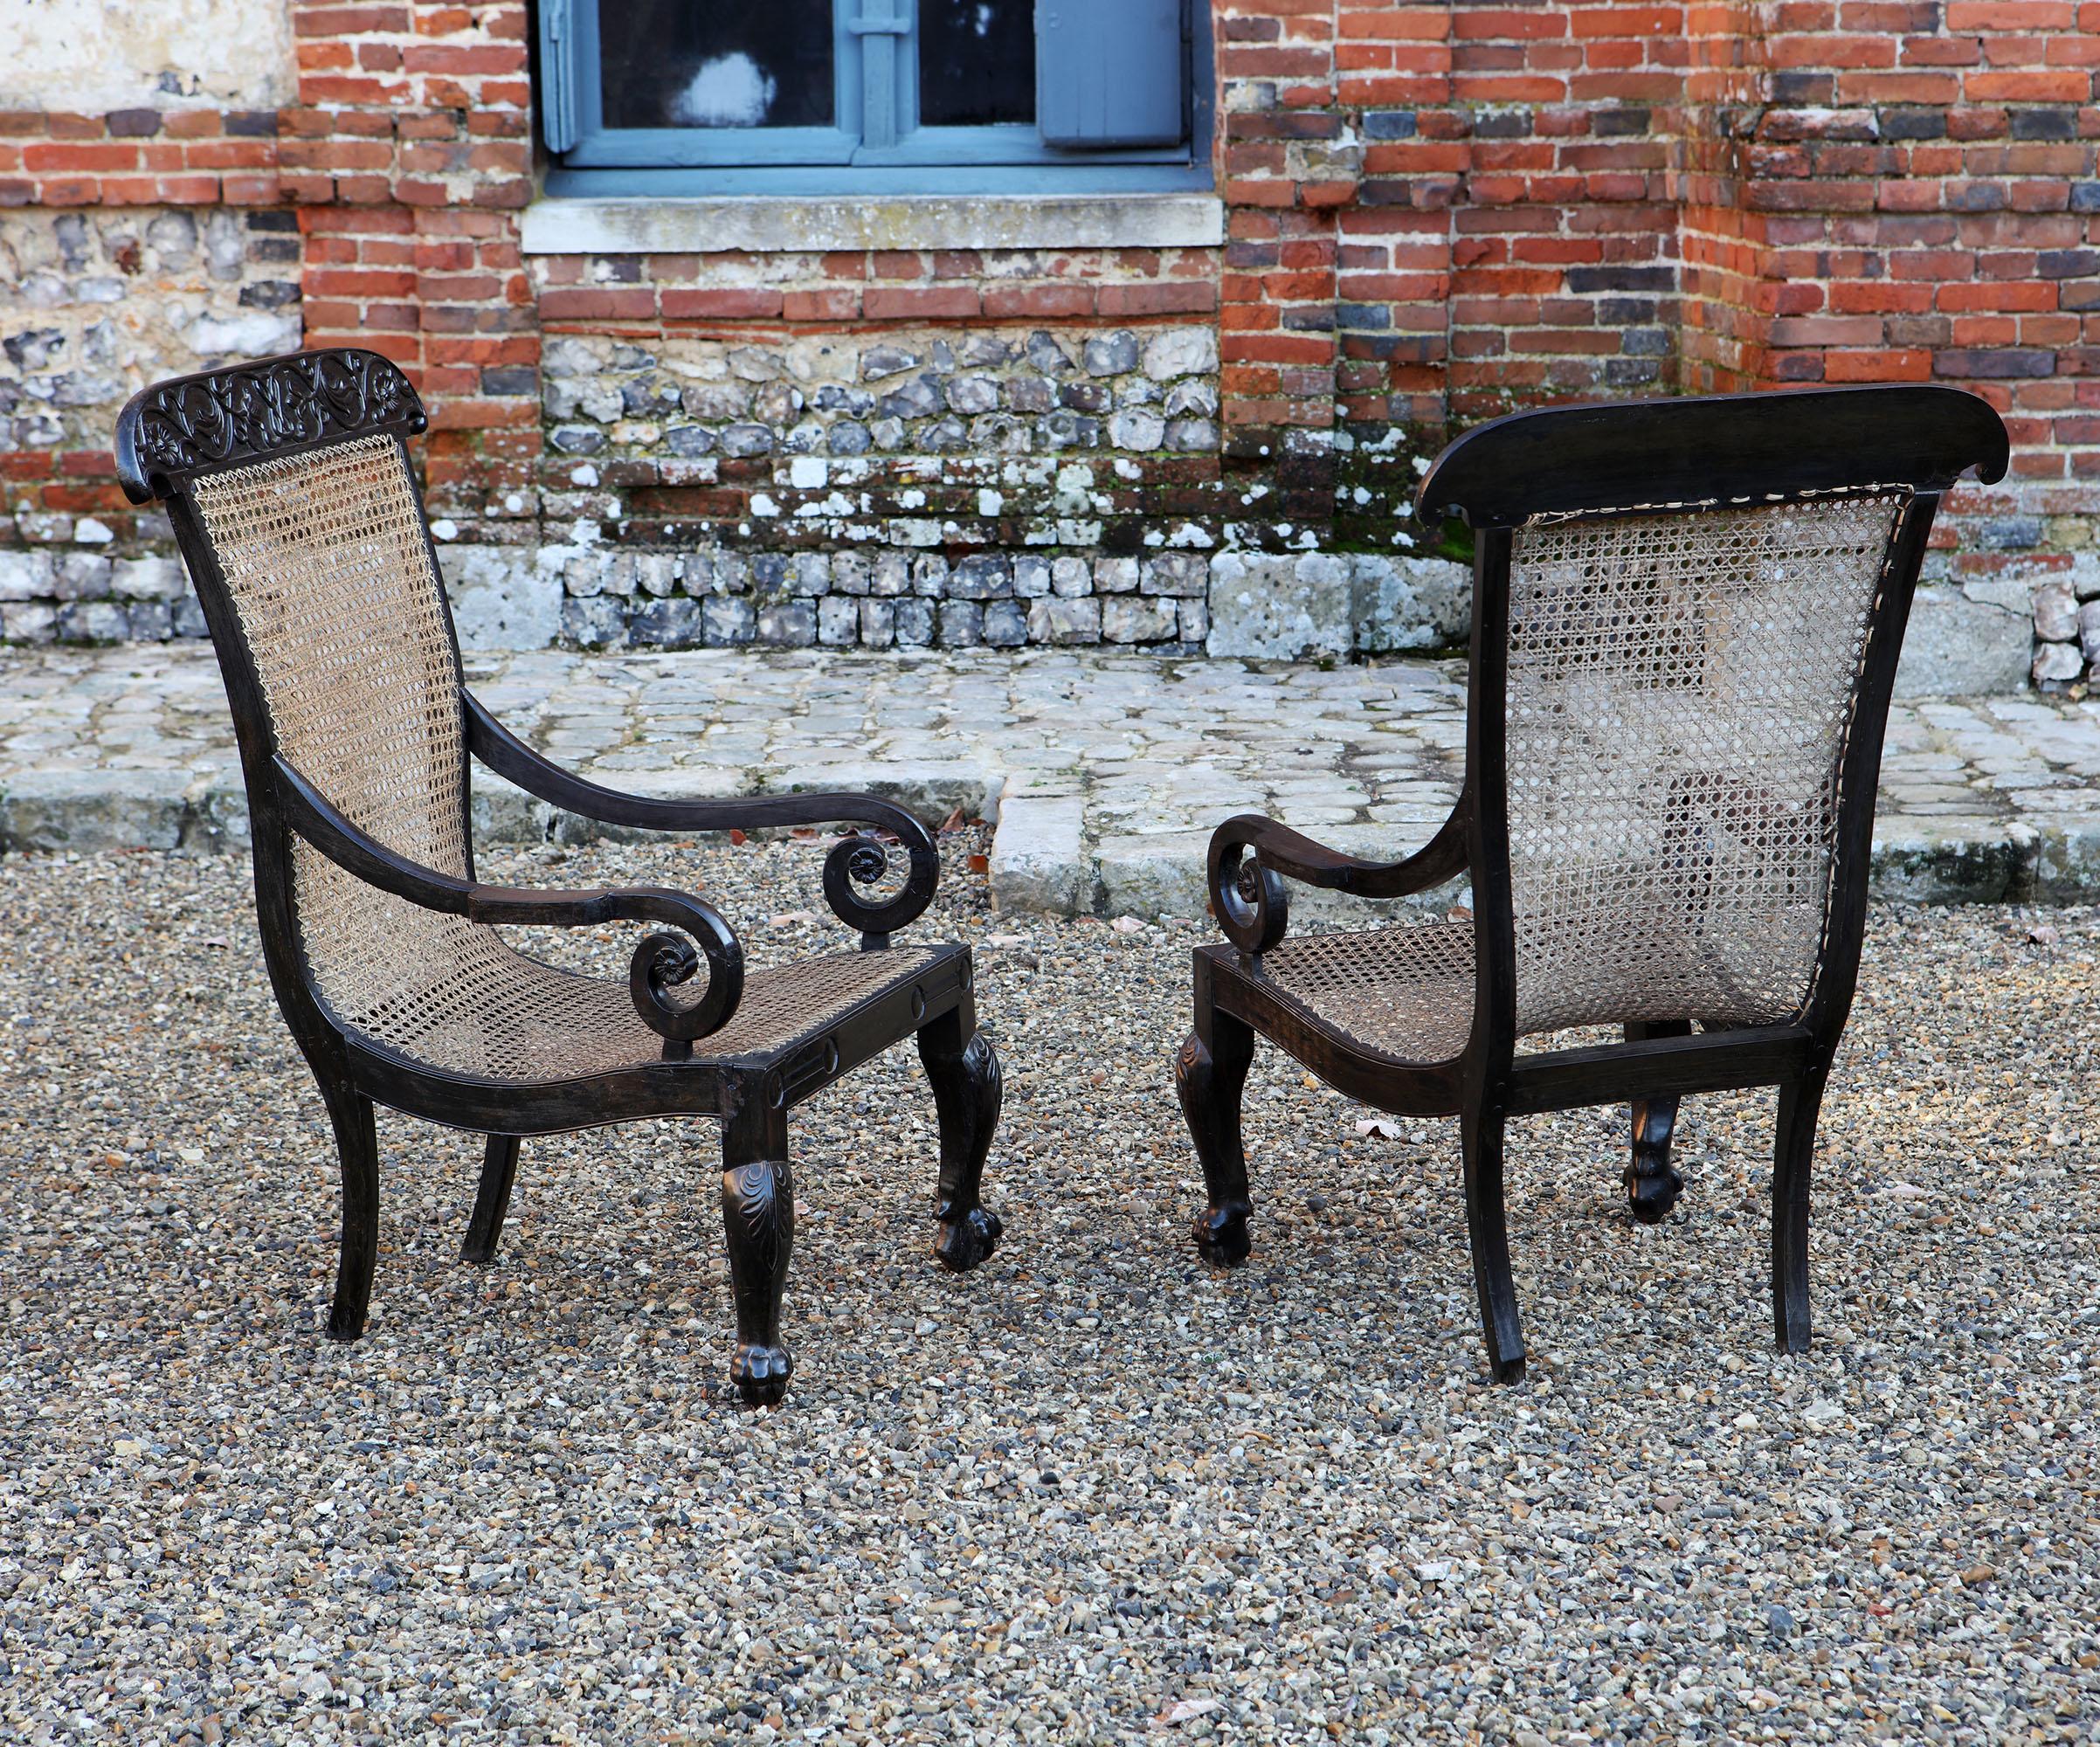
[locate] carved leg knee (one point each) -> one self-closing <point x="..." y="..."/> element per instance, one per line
<point x="1653" y="1183"/>
<point x="357" y="1147"/>
<point x="1209" y="1073"/>
<point x="963" y="1070"/>
<point x="758" y="1219"/>
<point x="492" y="1201"/>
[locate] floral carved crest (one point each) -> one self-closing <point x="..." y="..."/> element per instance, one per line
<point x="256" y="409"/>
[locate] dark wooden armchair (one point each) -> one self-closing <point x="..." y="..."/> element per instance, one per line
<point x="1687" y="615"/>
<point x="289" y="488"/>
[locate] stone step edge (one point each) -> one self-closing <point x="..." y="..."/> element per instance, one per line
<point x="1043" y="857"/>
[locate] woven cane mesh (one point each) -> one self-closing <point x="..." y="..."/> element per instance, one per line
<point x="324" y="556"/>
<point x="490" y="1012"/>
<point x="1404" y="991"/>
<point x="1680" y="689"/>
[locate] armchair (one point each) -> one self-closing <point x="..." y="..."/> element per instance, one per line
<point x="1687" y="615"/>
<point x="288" y="486"/>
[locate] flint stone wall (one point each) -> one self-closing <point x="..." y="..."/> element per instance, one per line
<point x="93" y="305"/>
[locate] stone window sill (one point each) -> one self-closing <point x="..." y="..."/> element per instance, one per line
<point x="767" y="224"/>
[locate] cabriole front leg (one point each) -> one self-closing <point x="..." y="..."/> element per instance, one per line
<point x="963" y="1070"/>
<point x="1209" y="1073"/>
<point x="758" y="1221"/>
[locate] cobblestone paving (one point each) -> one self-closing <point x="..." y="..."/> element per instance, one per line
<point x="1104" y="773"/>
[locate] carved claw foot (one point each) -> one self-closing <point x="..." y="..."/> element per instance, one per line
<point x="1221" y="1233"/>
<point x="1651" y="1183"/>
<point x="1652" y="1193"/>
<point x="761" y="1373"/>
<point x="966" y="1239"/>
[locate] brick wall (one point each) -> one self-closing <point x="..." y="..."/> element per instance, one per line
<point x="1435" y="210"/>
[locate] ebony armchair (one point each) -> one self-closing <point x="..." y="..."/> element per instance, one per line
<point x="289" y="488"/>
<point x="1687" y="615"/>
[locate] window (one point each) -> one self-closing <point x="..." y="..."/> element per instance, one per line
<point x="800" y="96"/>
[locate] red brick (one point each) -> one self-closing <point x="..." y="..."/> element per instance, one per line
<point x="886" y="303"/>
<point x="729" y="304"/>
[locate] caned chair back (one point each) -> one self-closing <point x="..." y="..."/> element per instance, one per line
<point x="1687" y="616"/>
<point x="291" y="490"/>
<point x="1680" y="686"/>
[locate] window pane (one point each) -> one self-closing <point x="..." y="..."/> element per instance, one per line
<point x="717" y="63"/>
<point x="977" y="62"/>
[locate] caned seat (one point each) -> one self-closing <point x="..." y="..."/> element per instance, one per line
<point x="477" y="1007"/>
<point x="1687" y="615"/>
<point x="289" y="487"/>
<point x="1403" y="993"/>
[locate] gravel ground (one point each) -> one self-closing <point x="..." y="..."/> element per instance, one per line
<point x="1089" y="1492"/>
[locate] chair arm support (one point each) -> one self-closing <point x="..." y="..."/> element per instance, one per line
<point x="661" y="961"/>
<point x="1251" y="903"/>
<point x="852" y="860"/>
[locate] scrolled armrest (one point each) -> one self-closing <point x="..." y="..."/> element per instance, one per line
<point x="662" y="962"/>
<point x="858" y="861"/>
<point x="1251" y="902"/>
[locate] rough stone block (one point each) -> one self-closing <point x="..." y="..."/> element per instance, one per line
<point x="1127" y="619"/>
<point x="1038" y="855"/>
<point x="890" y="575"/>
<point x="789" y="624"/>
<point x="657" y="573"/>
<point x="501" y="599"/>
<point x="1183" y="574"/>
<point x="1031" y="576"/>
<point x="1139" y="429"/>
<point x="1181" y="352"/>
<point x="1279" y="608"/>
<point x="726" y="620"/>
<point x="94" y="621"/>
<point x="1005" y="624"/>
<point x="665" y="624"/>
<point x="599" y="622"/>
<point x="25" y="576"/>
<point x="152" y="579"/>
<point x="981" y="577"/>
<point x="94" y="812"/>
<point x="1954" y="644"/>
<point x="914" y="623"/>
<point x="82" y="576"/>
<point x="29" y="622"/>
<point x="962" y="625"/>
<point x="850" y="572"/>
<point x="1064" y="621"/>
<point x="1070" y="579"/>
<point x="838" y="620"/>
<point x="149" y="621"/>
<point x="2056" y="663"/>
<point x="2088" y="630"/>
<point x="2055" y="612"/>
<point x="1409" y="603"/>
<point x="1114" y="576"/>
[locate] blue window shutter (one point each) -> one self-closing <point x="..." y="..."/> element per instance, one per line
<point x="557" y="75"/>
<point x="1109" y="73"/>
